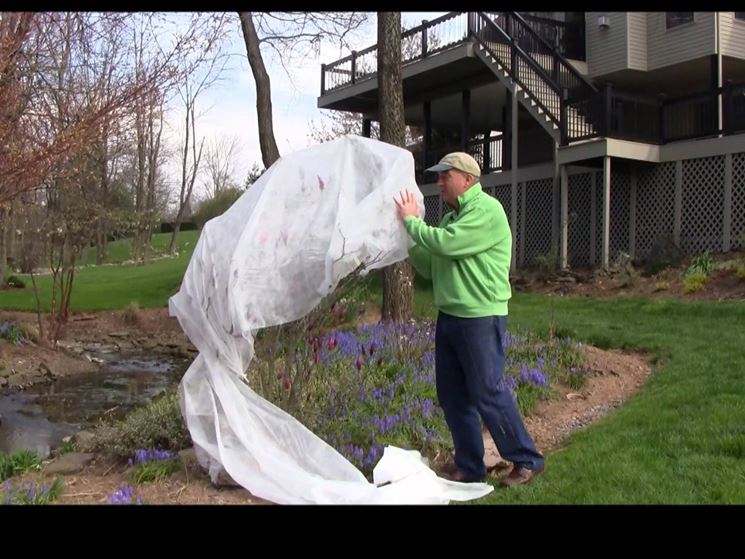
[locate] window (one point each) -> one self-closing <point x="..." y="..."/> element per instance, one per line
<point x="740" y="15"/>
<point x="674" y="19"/>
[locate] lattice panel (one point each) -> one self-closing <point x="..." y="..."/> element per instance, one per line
<point x="517" y="238"/>
<point x="738" y="200"/>
<point x="703" y="205"/>
<point x="432" y="209"/>
<point x="579" y="209"/>
<point x="620" y="193"/>
<point x="598" y="185"/>
<point x="503" y="193"/>
<point x="655" y="205"/>
<point x="539" y="199"/>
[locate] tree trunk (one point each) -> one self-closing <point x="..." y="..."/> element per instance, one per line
<point x="101" y="223"/>
<point x="269" y="151"/>
<point x="174" y="233"/>
<point x="398" y="291"/>
<point x="4" y="219"/>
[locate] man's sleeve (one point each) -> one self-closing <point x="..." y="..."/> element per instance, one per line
<point x="421" y="260"/>
<point x="475" y="232"/>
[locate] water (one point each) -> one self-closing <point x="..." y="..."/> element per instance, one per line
<point x="41" y="416"/>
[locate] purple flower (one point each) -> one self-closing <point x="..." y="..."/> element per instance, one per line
<point x="125" y="496"/>
<point x="152" y="455"/>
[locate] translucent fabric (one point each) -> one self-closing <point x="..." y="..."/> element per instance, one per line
<point x="311" y="219"/>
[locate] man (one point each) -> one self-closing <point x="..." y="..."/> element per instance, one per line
<point x="468" y="259"/>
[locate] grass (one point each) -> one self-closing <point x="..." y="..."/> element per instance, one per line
<point x="113" y="287"/>
<point x="121" y="250"/>
<point x="682" y="438"/>
<point x="18" y="462"/>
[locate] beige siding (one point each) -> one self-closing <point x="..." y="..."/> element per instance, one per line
<point x="666" y="47"/>
<point x="732" y="35"/>
<point x="607" y="49"/>
<point x="637" y="43"/>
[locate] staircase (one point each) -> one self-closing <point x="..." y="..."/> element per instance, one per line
<point x="531" y="69"/>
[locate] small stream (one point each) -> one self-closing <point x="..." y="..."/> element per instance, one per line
<point x="39" y="417"/>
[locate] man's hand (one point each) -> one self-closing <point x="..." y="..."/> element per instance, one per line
<point x="407" y="205"/>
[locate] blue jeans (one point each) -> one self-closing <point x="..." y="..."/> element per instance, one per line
<point x="469" y="367"/>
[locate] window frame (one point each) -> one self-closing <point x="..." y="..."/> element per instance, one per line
<point x="676" y="25"/>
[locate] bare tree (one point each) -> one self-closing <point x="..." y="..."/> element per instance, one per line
<point x="191" y="157"/>
<point x="30" y="42"/>
<point x="219" y="158"/>
<point x="288" y="34"/>
<point x="335" y="124"/>
<point x="67" y="81"/>
<point x="189" y="165"/>
<point x="5" y="232"/>
<point x="267" y="142"/>
<point x="398" y="293"/>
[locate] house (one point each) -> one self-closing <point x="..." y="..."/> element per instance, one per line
<point x="600" y="132"/>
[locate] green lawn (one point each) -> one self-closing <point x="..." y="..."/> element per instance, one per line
<point x="114" y="287"/>
<point x="682" y="438"/>
<point x="121" y="250"/>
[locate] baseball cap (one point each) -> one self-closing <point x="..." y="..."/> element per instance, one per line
<point x="458" y="160"/>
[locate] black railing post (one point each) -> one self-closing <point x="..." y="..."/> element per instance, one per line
<point x="555" y="70"/>
<point x="563" y="119"/>
<point x="424" y="38"/>
<point x="607" y="108"/>
<point x="487" y="152"/>
<point x="465" y="133"/>
<point x="323" y="79"/>
<point x="661" y="109"/>
<point x="427" y="140"/>
<point x="354" y="66"/>
<point x="509" y="26"/>
<point x="727" y="108"/>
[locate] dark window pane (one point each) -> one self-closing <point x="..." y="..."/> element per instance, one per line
<point x="673" y="19"/>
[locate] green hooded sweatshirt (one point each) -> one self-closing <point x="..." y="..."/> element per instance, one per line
<point x="467" y="256"/>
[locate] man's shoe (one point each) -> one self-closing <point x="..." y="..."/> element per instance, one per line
<point x="450" y="471"/>
<point x="463" y="478"/>
<point x="519" y="475"/>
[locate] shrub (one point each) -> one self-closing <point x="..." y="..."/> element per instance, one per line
<point x="158" y="424"/>
<point x="741" y="271"/>
<point x="15" y="281"/>
<point x="702" y="264"/>
<point x="11" y="332"/>
<point x="662" y="286"/>
<point x="694" y="281"/>
<point x="663" y="254"/>
<point x="217" y="205"/>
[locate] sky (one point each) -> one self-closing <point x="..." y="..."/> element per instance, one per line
<point x="228" y="108"/>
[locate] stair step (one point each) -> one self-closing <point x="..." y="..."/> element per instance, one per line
<point x="533" y="83"/>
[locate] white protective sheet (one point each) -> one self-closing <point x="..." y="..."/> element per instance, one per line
<point x="309" y="221"/>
